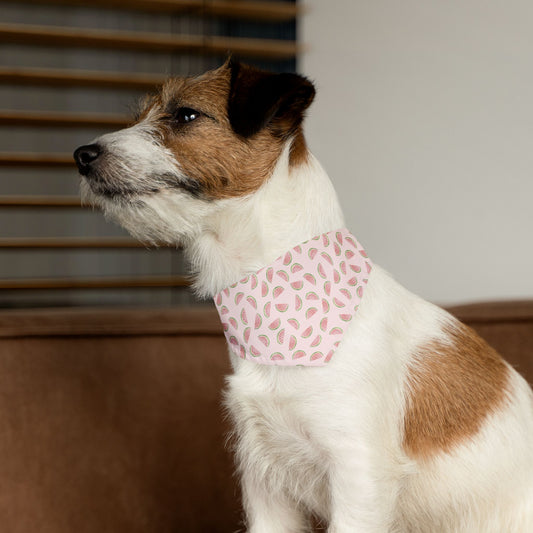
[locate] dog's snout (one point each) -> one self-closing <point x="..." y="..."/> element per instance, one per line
<point x="85" y="156"/>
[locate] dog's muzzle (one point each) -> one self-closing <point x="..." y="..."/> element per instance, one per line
<point x="85" y="156"/>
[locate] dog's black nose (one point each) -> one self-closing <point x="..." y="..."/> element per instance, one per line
<point x="84" y="157"/>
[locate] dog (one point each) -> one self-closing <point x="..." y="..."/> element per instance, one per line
<point x="405" y="420"/>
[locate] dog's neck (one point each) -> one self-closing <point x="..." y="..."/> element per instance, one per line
<point x="245" y="234"/>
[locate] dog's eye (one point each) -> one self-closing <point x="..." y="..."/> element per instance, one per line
<point x="184" y="115"/>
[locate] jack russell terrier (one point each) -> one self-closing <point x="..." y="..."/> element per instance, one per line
<point x="353" y="400"/>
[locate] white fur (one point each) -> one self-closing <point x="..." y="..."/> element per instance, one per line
<point x="328" y="440"/>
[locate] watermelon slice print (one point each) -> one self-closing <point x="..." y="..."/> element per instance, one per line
<point x="283" y="275"/>
<point x="310" y="312"/>
<point x="292" y="342"/>
<point x="327" y="288"/>
<point x="294" y="323"/>
<point x="254" y="281"/>
<point x="264" y="289"/>
<point x="264" y="339"/>
<point x="351" y="241"/>
<point x="310" y="278"/>
<point x="254" y="351"/>
<point x="327" y="257"/>
<point x="308" y="332"/>
<point x="277" y="291"/>
<point x="346" y="293"/>
<point x="296" y="267"/>
<point x="317" y="341"/>
<point x="274" y="324"/>
<point x="339" y="303"/>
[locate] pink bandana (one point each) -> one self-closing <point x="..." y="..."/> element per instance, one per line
<point x="294" y="311"/>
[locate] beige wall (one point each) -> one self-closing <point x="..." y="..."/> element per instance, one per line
<point x="424" y="120"/>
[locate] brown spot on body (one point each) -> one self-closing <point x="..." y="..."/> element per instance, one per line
<point x="451" y="389"/>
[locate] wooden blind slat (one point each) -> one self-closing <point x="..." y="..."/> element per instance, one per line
<point x="268" y="11"/>
<point x="64" y="120"/>
<point x="27" y="34"/>
<point x="74" y="78"/>
<point x="274" y="11"/>
<point x="41" y="201"/>
<point x="94" y="283"/>
<point x="27" y="159"/>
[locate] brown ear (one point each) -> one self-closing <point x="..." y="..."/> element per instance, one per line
<point x="258" y="99"/>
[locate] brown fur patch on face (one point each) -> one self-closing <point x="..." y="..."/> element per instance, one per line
<point x="218" y="162"/>
<point x="451" y="389"/>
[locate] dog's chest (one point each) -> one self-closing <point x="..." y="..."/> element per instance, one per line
<point x="276" y="437"/>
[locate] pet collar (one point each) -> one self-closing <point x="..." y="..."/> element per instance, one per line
<point x="295" y="310"/>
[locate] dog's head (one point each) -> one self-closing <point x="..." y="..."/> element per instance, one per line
<point x="198" y="141"/>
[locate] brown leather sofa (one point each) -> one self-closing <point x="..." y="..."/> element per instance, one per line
<point x="111" y="419"/>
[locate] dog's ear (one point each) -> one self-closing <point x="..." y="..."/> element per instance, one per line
<point x="258" y="99"/>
